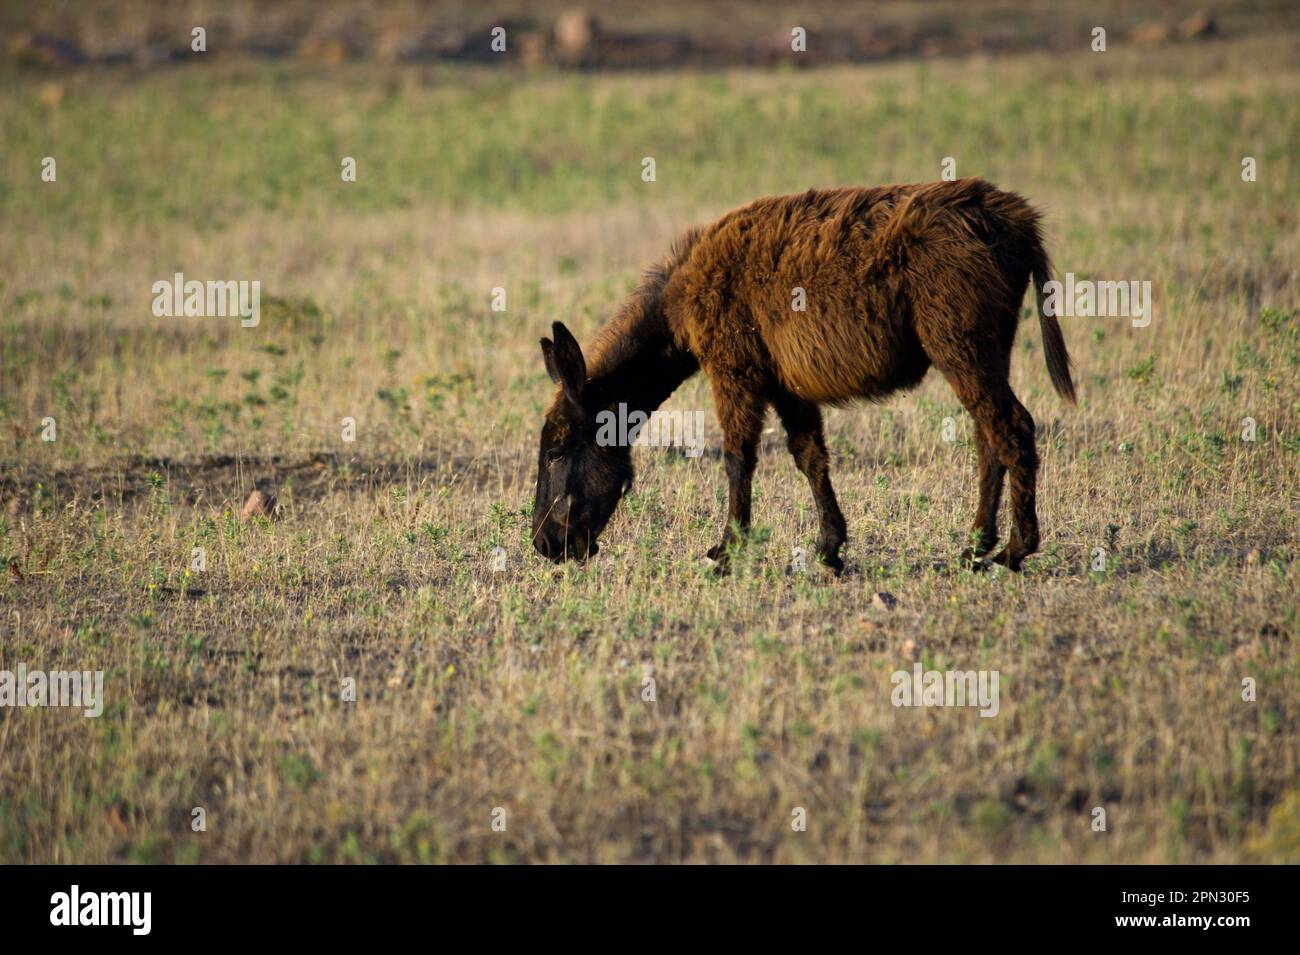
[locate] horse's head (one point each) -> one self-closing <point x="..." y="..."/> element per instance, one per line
<point x="579" y="480"/>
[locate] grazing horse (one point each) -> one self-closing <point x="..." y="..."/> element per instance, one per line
<point x="891" y="280"/>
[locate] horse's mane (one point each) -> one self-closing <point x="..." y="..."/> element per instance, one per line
<point x="641" y="316"/>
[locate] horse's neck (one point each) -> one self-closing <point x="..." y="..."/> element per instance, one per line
<point x="641" y="368"/>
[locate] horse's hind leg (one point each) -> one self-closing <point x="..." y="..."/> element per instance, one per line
<point x="806" y="440"/>
<point x="1005" y="436"/>
<point x="1016" y="449"/>
<point x="984" y="536"/>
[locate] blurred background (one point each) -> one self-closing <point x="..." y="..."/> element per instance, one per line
<point x="659" y="35"/>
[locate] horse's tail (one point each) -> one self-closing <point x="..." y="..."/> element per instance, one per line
<point x="1058" y="359"/>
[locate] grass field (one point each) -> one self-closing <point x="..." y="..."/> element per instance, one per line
<point x="522" y="689"/>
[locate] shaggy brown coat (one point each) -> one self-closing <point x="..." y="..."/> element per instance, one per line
<point x="895" y="279"/>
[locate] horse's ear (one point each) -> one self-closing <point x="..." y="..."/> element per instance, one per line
<point x="564" y="362"/>
<point x="548" y="358"/>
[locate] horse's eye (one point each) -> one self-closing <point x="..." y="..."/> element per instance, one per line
<point x="553" y="455"/>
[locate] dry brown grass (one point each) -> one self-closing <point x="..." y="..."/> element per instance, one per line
<point x="522" y="689"/>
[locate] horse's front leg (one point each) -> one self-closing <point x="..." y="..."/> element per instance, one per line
<point x="741" y="416"/>
<point x="807" y="443"/>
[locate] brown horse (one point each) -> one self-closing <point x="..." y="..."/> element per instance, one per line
<point x="799" y="301"/>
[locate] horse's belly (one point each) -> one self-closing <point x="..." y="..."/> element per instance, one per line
<point x="834" y="362"/>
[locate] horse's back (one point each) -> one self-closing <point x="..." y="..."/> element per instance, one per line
<point x="819" y="291"/>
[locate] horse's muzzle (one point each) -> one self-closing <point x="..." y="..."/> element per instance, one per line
<point x="564" y="548"/>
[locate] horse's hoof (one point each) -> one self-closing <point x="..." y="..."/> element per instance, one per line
<point x="1008" y="560"/>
